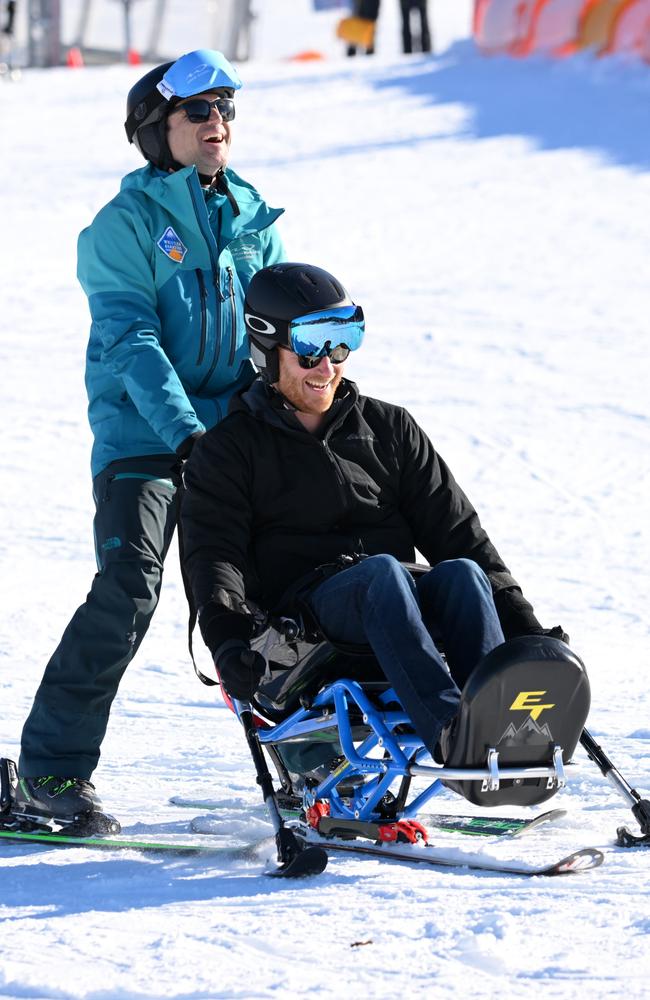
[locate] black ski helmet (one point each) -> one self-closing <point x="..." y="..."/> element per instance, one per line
<point x="279" y="294"/>
<point x="152" y="98"/>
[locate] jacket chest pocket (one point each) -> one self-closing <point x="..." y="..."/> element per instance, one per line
<point x="247" y="256"/>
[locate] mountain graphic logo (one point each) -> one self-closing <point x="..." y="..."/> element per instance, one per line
<point x="171" y="244"/>
<point x="529" y="733"/>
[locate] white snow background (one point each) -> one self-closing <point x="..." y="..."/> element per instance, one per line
<point x="491" y="216"/>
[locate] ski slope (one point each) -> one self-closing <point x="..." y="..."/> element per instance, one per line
<point x="491" y="217"/>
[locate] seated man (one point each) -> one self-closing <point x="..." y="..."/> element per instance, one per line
<point x="305" y="470"/>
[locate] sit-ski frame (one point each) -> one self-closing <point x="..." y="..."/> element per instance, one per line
<point x="331" y="708"/>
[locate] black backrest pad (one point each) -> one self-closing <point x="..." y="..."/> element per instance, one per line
<point x="524" y="698"/>
<point x="300" y="669"/>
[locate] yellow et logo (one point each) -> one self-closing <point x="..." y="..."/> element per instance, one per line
<point x="529" y="701"/>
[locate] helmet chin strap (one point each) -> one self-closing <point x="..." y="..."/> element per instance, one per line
<point x="220" y="183"/>
<point x="211" y="180"/>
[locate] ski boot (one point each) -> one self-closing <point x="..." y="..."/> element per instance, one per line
<point x="51" y="803"/>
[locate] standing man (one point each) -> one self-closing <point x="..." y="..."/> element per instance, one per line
<point x="317" y="472"/>
<point x="165" y="266"/>
<point x="421" y="41"/>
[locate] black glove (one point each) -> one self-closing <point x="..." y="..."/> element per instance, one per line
<point x="184" y="449"/>
<point x="557" y="632"/>
<point x="240" y="668"/>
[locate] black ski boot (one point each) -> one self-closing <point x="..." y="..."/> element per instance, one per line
<point x="53" y="802"/>
<point x="60" y="798"/>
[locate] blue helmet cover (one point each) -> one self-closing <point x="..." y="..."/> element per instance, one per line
<point x="196" y="72"/>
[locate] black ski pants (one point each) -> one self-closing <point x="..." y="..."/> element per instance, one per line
<point x="136" y="502"/>
<point x="423" y="36"/>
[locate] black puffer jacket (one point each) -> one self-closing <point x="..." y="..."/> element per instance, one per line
<point x="267" y="502"/>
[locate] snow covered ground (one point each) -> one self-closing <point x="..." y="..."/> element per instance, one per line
<point x="490" y="216"/>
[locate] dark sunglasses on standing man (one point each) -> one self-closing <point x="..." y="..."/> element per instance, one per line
<point x="199" y="108"/>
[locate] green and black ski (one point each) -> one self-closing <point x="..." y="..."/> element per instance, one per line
<point x="578" y="861"/>
<point x="123" y="843"/>
<point x="474" y="826"/>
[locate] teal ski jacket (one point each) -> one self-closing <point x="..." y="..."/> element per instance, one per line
<point x="165" y="266"/>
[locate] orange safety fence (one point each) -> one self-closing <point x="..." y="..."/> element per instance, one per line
<point x="503" y="25"/>
<point x="597" y="22"/>
<point x="562" y="27"/>
<point x="631" y="30"/>
<point x="556" y="27"/>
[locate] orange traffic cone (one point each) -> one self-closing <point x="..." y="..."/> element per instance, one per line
<point x="74" y="58"/>
<point x="308" y="56"/>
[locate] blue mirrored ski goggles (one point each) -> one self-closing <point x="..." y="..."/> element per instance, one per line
<point x="331" y="332"/>
<point x="196" y="72"/>
<point x="198" y="109"/>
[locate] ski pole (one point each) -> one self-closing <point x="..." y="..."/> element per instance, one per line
<point x="640" y="807"/>
<point x="295" y="859"/>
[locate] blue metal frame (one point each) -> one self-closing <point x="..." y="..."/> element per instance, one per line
<point x="331" y="709"/>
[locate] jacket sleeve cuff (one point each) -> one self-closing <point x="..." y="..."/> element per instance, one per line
<point x="184" y="449"/>
<point x="515" y="613"/>
<point x="219" y="626"/>
<point x="184" y="432"/>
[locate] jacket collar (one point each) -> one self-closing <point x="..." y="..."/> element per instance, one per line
<point x="265" y="403"/>
<point x="172" y="192"/>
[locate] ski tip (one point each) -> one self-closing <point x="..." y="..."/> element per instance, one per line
<point x="579" y="861"/>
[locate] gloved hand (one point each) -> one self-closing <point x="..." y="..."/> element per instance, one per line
<point x="240" y="668"/>
<point x="184" y="449"/>
<point x="557" y="632"/>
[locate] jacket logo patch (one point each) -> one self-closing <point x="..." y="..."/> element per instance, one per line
<point x="172" y="245"/>
<point x="245" y="251"/>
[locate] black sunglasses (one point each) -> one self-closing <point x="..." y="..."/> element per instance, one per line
<point x="199" y="109"/>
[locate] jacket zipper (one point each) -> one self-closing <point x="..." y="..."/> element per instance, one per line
<point x="340" y="478"/>
<point x="217" y="345"/>
<point x="216" y="277"/>
<point x="203" y="295"/>
<point x="233" y="318"/>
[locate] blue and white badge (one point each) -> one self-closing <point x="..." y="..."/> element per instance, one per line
<point x="172" y="245"/>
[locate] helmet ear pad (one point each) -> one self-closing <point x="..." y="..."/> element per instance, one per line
<point x="265" y="359"/>
<point x="151" y="140"/>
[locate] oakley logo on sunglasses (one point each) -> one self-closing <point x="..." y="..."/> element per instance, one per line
<point x="199" y="109"/>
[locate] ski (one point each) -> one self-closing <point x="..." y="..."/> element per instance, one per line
<point x="474" y="826"/>
<point x="578" y="861"/>
<point x="491" y="826"/>
<point x="247" y="851"/>
<point x="574" y="863"/>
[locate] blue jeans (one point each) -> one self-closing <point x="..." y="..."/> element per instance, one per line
<point x="378" y="602"/>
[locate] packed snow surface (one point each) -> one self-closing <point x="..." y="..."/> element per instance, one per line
<point x="491" y="217"/>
